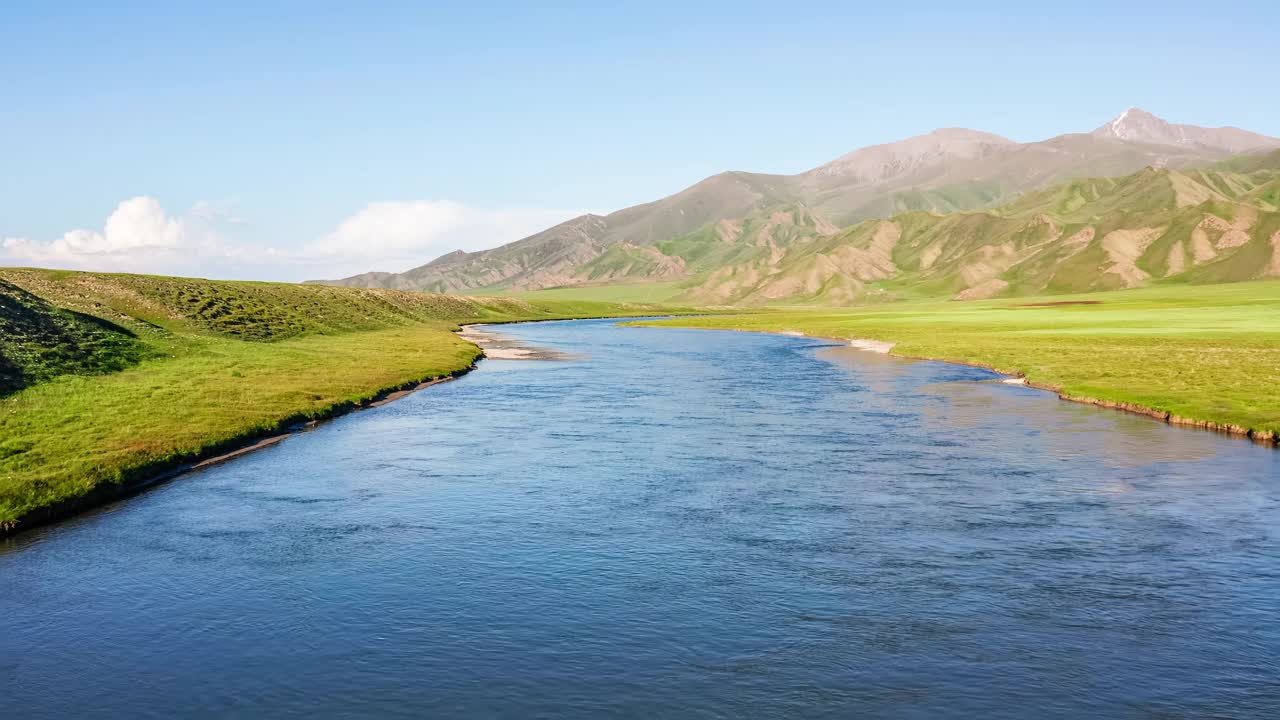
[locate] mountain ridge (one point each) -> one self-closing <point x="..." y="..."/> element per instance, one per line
<point x="1138" y="125"/>
<point x="948" y="170"/>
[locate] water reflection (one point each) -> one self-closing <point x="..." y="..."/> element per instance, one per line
<point x="975" y="401"/>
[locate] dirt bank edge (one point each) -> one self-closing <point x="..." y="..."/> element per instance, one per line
<point x="152" y="474"/>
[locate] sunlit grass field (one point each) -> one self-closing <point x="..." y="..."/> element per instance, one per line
<point x="64" y="437"/>
<point x="1207" y="352"/>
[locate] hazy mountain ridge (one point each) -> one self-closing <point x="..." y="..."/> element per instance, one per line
<point x="882" y="162"/>
<point x="1137" y="125"/>
<point x="946" y="171"/>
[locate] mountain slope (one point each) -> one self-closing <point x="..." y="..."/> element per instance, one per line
<point x="542" y="260"/>
<point x="946" y="171"/>
<point x="998" y="176"/>
<point x="1214" y="225"/>
<point x="551" y="257"/>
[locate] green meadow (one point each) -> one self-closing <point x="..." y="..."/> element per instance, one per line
<point x="1205" y="352"/>
<point x="110" y="378"/>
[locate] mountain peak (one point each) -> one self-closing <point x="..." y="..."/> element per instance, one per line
<point x="961" y="134"/>
<point x="448" y="258"/>
<point x="1138" y="125"/>
<point x="879" y="162"/>
<point x="1137" y="117"/>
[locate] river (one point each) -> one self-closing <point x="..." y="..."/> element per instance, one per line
<point x="674" y="523"/>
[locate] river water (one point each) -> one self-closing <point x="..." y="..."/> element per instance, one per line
<point x="677" y="523"/>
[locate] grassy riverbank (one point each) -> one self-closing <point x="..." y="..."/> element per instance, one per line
<point x="1204" y="352"/>
<point x="110" y="378"/>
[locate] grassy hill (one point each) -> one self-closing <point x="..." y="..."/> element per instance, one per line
<point x="263" y="311"/>
<point x="39" y="341"/>
<point x="111" y="378"/>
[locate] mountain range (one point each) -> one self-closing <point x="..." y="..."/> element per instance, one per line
<point x="956" y="212"/>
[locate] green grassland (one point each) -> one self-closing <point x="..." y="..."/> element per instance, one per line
<point x="110" y="378"/>
<point x="1208" y="352"/>
<point x="42" y="341"/>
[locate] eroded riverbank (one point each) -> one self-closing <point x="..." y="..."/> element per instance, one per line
<point x="499" y="346"/>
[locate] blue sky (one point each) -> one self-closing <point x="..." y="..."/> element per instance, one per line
<point x="291" y="140"/>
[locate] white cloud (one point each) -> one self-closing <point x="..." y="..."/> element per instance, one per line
<point x="137" y="225"/>
<point x="382" y="228"/>
<point x="398" y="235"/>
<point x="139" y="236"/>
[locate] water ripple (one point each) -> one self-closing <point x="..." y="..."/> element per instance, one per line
<point x="677" y="523"/>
